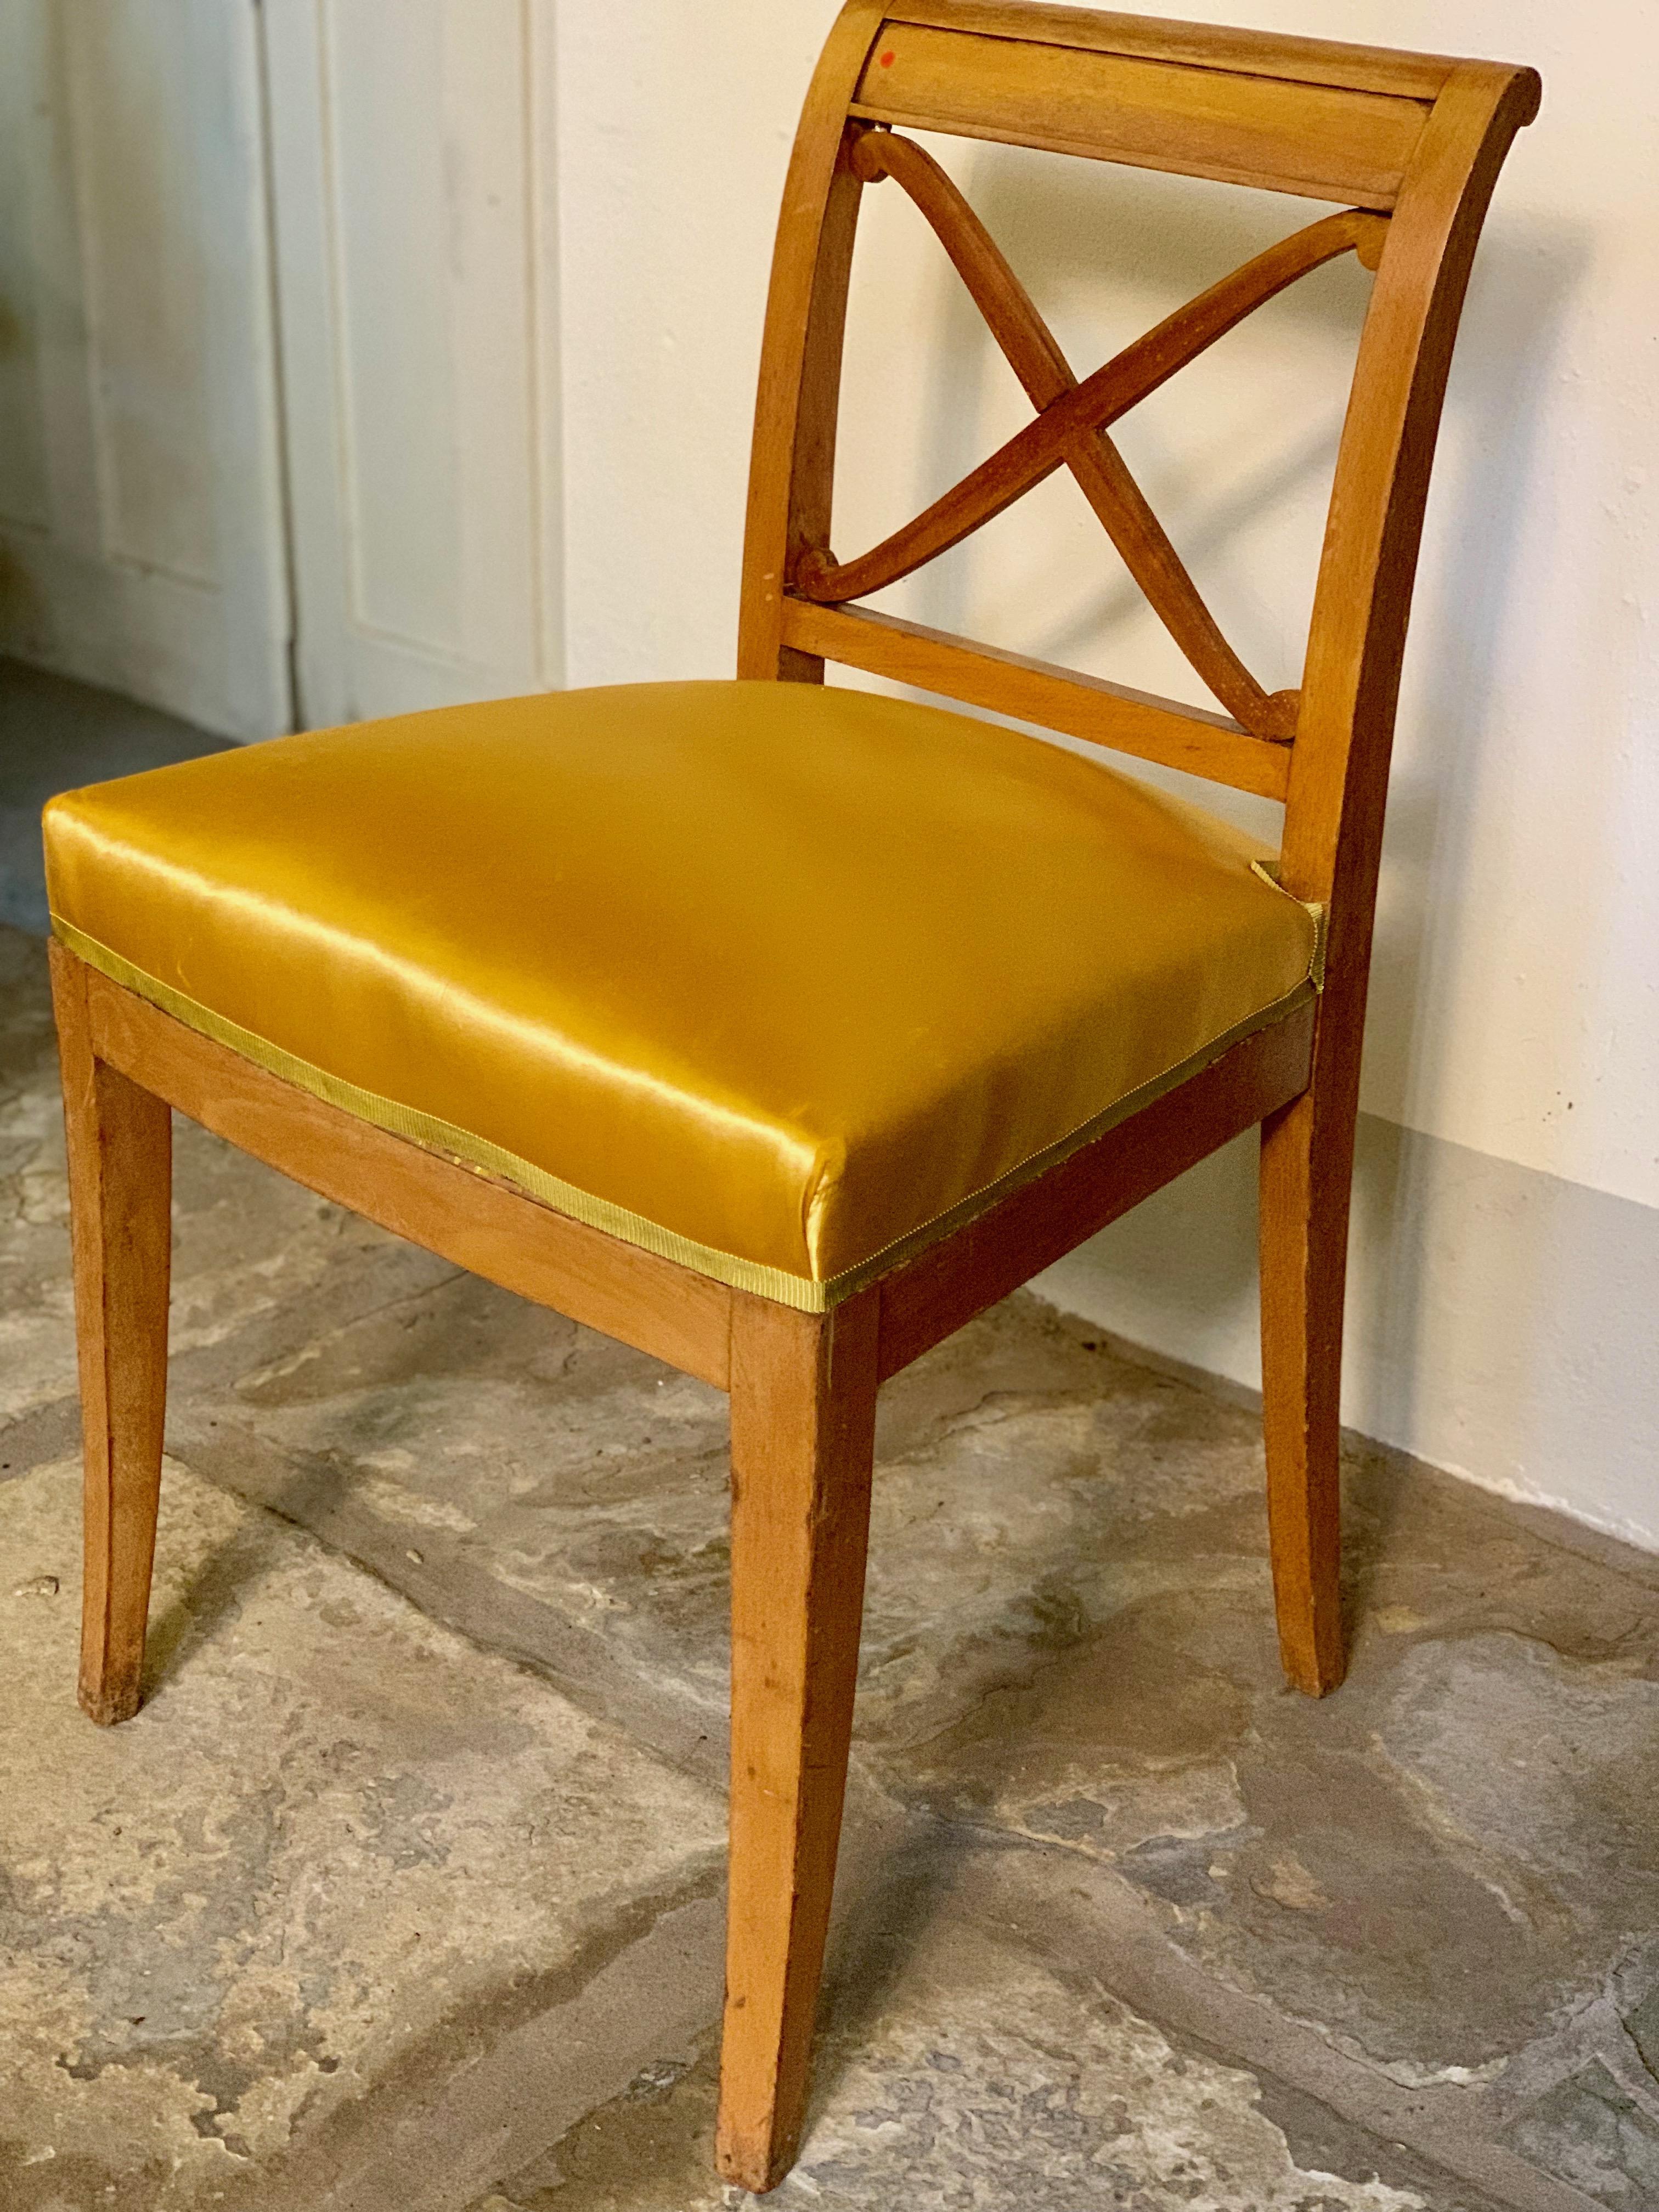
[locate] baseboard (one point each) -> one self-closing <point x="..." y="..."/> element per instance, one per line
<point x="1500" y="1322"/>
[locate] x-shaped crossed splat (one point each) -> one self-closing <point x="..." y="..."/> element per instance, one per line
<point x="1071" y="419"/>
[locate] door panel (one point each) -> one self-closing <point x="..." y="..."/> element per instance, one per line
<point x="141" y="520"/>
<point x="413" y="213"/>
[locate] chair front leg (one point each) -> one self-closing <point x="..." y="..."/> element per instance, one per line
<point x="120" y="1169"/>
<point x="803" y="1421"/>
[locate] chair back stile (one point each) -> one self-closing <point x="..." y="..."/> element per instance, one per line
<point x="1411" y="142"/>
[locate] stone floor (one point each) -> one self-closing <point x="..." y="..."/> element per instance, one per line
<point x="402" y="1894"/>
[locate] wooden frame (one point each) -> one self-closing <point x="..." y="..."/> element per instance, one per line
<point x="1414" y="144"/>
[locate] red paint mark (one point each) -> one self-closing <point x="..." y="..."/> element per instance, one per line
<point x="889" y="58"/>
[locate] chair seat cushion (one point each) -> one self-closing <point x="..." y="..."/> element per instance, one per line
<point x="781" y="981"/>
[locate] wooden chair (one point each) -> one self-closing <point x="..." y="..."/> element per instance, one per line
<point x="217" y="948"/>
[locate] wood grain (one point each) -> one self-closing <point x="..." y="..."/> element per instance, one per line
<point x="802" y="1427"/>
<point x="1191" y="45"/>
<point x="1323" y="141"/>
<point x="1088" y="707"/>
<point x="120" y="1172"/>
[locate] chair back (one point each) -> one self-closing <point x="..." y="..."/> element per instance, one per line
<point x="1409" y="147"/>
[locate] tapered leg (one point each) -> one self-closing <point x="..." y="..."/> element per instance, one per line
<point x="1307" y="1167"/>
<point x="803" y="1419"/>
<point x="121" y="1164"/>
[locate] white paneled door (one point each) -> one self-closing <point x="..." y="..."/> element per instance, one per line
<point x="140" y="521"/>
<point x="415" y="240"/>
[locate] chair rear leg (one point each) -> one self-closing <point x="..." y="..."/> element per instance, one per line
<point x="1307" y="1168"/>
<point x="803" y="1420"/>
<point x="121" y="1164"/>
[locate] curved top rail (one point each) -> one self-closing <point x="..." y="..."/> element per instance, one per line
<point x="1330" y="62"/>
<point x="1278" y="132"/>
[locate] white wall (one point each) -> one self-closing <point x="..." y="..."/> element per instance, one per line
<point x="1506" y="1257"/>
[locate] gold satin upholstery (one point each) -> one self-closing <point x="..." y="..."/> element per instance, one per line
<point x="777" y="979"/>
